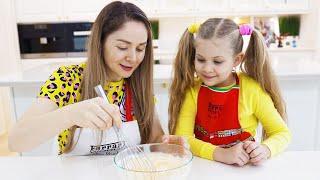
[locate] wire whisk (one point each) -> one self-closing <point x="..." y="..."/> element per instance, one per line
<point x="135" y="158"/>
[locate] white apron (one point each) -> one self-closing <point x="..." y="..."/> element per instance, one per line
<point x="86" y="140"/>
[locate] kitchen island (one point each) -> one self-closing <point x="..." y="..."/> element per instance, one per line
<point x="299" y="81"/>
<point x="289" y="165"/>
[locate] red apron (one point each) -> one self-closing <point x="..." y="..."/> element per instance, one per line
<point x="128" y="102"/>
<point x="217" y="120"/>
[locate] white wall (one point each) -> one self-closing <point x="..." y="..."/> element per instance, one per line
<point x="170" y="31"/>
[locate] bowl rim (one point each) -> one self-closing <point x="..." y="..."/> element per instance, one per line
<point x="156" y="171"/>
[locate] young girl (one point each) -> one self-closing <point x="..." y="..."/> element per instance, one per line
<point x="120" y="57"/>
<point x="219" y="110"/>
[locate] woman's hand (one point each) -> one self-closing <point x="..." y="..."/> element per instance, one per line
<point x="258" y="153"/>
<point x="233" y="155"/>
<point x="174" y="139"/>
<point x="93" y="113"/>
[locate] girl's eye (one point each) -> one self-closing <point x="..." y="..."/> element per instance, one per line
<point x="200" y="60"/>
<point x="218" y="62"/>
<point x="122" y="48"/>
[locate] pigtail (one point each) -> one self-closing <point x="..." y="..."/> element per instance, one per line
<point x="256" y="64"/>
<point x="183" y="77"/>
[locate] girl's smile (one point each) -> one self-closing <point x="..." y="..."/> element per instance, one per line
<point x="208" y="77"/>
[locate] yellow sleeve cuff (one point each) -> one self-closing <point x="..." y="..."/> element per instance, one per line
<point x="207" y="151"/>
<point x="278" y="143"/>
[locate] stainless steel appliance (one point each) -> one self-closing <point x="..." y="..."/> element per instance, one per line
<point x="53" y="40"/>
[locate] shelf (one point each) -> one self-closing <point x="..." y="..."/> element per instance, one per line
<point x="298" y="49"/>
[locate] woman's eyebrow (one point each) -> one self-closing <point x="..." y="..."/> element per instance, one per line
<point x="128" y="42"/>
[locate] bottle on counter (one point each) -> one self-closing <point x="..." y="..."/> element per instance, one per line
<point x="294" y="42"/>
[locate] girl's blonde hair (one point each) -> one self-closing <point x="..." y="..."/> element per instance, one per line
<point x="256" y="64"/>
<point x="111" y="18"/>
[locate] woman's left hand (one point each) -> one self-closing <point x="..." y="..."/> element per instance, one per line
<point x="258" y="153"/>
<point x="174" y="139"/>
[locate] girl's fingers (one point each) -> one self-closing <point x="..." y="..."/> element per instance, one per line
<point x="240" y="161"/>
<point x="259" y="162"/>
<point x="244" y="153"/>
<point x="258" y="159"/>
<point x="251" y="147"/>
<point x="245" y="158"/>
<point x="255" y="153"/>
<point x="246" y="144"/>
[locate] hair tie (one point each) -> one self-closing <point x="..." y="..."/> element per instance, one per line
<point x="194" y="28"/>
<point x="245" y="29"/>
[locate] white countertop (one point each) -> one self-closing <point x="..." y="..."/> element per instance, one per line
<point x="289" y="165"/>
<point x="36" y="73"/>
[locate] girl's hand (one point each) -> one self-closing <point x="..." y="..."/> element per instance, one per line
<point x="93" y="113"/>
<point x="258" y="153"/>
<point x="233" y="155"/>
<point x="174" y="139"/>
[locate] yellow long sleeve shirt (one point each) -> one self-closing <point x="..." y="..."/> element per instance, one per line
<point x="255" y="105"/>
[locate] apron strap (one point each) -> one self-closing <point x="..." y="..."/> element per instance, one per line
<point x="128" y="103"/>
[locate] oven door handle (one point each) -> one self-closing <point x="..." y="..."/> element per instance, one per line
<point x="81" y="33"/>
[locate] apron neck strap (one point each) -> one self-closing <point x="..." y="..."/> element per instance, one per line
<point x="128" y="102"/>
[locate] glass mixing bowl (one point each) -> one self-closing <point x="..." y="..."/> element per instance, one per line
<point x="169" y="162"/>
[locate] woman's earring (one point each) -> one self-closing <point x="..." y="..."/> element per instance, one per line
<point x="195" y="75"/>
<point x="234" y="69"/>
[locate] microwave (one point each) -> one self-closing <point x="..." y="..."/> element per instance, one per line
<point x="54" y="40"/>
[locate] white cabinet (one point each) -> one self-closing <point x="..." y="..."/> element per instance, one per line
<point x="38" y="11"/>
<point x="247" y="5"/>
<point x="213" y="8"/>
<point x="302" y="97"/>
<point x="83" y="10"/>
<point x="176" y="6"/>
<point x="289" y="4"/>
<point x="148" y="6"/>
<point x="31" y="11"/>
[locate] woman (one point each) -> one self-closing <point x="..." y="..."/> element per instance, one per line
<point x="120" y="58"/>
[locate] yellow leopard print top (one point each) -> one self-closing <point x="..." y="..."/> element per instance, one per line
<point x="63" y="87"/>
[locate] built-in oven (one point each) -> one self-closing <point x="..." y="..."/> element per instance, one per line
<point x="53" y="40"/>
<point x="77" y="35"/>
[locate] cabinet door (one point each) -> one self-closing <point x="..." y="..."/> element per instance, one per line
<point x="288" y="5"/>
<point x="247" y="6"/>
<point x="150" y="7"/>
<point x="211" y="6"/>
<point x="301" y="97"/>
<point x="38" y="11"/>
<point x="176" y="6"/>
<point x="161" y="90"/>
<point x="83" y="10"/>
